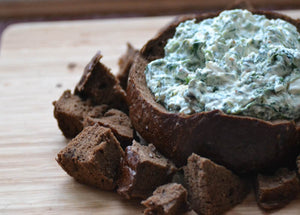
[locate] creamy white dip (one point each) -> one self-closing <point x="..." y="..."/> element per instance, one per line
<point x="238" y="62"/>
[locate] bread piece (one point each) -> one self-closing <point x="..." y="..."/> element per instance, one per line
<point x="100" y="86"/>
<point x="212" y="188"/>
<point x="73" y="114"/>
<point x="275" y="191"/>
<point x="118" y="122"/>
<point x="93" y="157"/>
<point x="168" y="199"/>
<point x="70" y="112"/>
<point x="125" y="63"/>
<point x="178" y="177"/>
<point x="242" y="144"/>
<point x="143" y="169"/>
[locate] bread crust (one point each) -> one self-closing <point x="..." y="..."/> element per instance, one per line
<point x="276" y="190"/>
<point x="242" y="144"/>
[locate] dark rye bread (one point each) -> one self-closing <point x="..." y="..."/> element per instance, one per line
<point x="93" y="157"/>
<point x="73" y="114"/>
<point x="97" y="91"/>
<point x="212" y="188"/>
<point x="100" y="86"/>
<point x="125" y="63"/>
<point x="275" y="191"/>
<point x="143" y="169"/>
<point x="117" y="121"/>
<point x="70" y="111"/>
<point x="168" y="199"/>
<point x="243" y="144"/>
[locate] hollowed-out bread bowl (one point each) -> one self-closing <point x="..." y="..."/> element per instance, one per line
<point x="243" y="144"/>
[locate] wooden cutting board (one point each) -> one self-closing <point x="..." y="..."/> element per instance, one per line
<point x="37" y="63"/>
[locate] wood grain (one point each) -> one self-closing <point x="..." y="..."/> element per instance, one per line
<point x="37" y="63"/>
<point x="63" y="8"/>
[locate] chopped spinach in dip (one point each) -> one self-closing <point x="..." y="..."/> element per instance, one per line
<point x="238" y="62"/>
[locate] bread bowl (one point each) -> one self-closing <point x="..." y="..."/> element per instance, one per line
<point x="243" y="144"/>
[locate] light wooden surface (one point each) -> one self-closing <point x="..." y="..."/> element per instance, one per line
<point x="52" y="8"/>
<point x="37" y="63"/>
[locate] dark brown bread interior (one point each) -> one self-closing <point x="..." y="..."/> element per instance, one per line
<point x="168" y="199"/>
<point x="73" y="114"/>
<point x="243" y="144"/>
<point x="117" y="121"/>
<point x="275" y="191"/>
<point x="100" y="86"/>
<point x="70" y="111"/>
<point x="143" y="169"/>
<point x="212" y="189"/>
<point x="97" y="91"/>
<point x="93" y="157"/>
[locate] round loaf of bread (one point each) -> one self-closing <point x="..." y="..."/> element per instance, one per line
<point x="242" y="144"/>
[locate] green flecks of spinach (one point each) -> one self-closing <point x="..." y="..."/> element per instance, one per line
<point x="227" y="107"/>
<point x="171" y="66"/>
<point x="215" y="88"/>
<point x="187" y="80"/>
<point x="197" y="50"/>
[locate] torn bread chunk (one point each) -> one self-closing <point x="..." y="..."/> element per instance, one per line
<point x="275" y="191"/>
<point x="125" y="63"/>
<point x="117" y="121"/>
<point x="70" y="112"/>
<point x="212" y="188"/>
<point x="73" y="114"/>
<point x="93" y="157"/>
<point x="100" y="86"/>
<point x="143" y="169"/>
<point x="168" y="199"/>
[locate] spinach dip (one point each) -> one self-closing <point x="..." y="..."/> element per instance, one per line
<point x="238" y="62"/>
